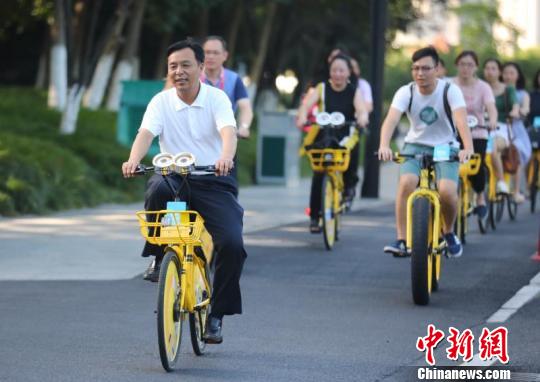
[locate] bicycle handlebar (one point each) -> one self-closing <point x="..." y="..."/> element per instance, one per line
<point x="193" y="170"/>
<point x="397" y="156"/>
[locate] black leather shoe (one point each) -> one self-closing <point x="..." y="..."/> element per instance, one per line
<point x="212" y="333"/>
<point x="152" y="272"/>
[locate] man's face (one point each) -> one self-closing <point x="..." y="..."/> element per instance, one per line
<point x="183" y="69"/>
<point x="214" y="54"/>
<point x="424" y="72"/>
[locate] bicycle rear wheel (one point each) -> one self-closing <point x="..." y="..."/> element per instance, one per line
<point x="421" y="254"/>
<point x="197" y="319"/>
<point x="328" y="213"/>
<point x="512" y="207"/>
<point x="169" y="317"/>
<point x="499" y="207"/>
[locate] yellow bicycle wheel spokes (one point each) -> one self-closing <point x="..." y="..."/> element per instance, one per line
<point x="172" y="321"/>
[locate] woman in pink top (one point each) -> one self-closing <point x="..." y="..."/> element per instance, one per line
<point x="479" y="98"/>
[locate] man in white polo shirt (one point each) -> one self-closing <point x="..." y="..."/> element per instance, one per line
<point x="197" y="118"/>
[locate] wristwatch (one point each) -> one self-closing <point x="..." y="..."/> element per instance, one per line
<point x="244" y="126"/>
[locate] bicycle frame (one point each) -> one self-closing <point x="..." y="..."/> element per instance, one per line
<point x="182" y="238"/>
<point x="424" y="190"/>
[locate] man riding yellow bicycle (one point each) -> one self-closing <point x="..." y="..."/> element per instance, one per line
<point x="433" y="107"/>
<point x="197" y="118"/>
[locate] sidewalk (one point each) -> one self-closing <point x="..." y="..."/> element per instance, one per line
<point x="104" y="243"/>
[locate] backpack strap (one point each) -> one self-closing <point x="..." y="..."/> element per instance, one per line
<point x="410" y="99"/>
<point x="447" y="108"/>
<point x="321" y="89"/>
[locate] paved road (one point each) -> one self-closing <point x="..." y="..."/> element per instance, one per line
<point x="309" y="315"/>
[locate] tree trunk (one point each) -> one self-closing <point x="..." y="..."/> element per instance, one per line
<point x="258" y="66"/>
<point x="41" y="75"/>
<point x="59" y="59"/>
<point x="70" y="115"/>
<point x="161" y="60"/>
<point x="125" y="68"/>
<point x="96" y="91"/>
<point x="233" y="31"/>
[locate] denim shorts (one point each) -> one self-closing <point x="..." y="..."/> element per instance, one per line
<point x="443" y="170"/>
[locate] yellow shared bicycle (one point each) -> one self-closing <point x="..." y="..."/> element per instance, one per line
<point x="330" y="156"/>
<point x="533" y="171"/>
<point x="184" y="287"/>
<point x="424" y="229"/>
<point x="466" y="203"/>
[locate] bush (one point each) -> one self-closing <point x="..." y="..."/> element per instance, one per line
<point x="38" y="176"/>
<point x="44" y="171"/>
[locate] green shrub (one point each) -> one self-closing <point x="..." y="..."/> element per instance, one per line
<point x="38" y="176"/>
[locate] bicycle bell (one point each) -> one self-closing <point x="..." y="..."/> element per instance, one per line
<point x="337" y="118"/>
<point x="163" y="163"/>
<point x="323" y="119"/>
<point x="183" y="162"/>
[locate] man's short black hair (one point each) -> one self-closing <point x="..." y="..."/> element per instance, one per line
<point x="428" y="51"/>
<point x="188" y="43"/>
<point x="218" y="38"/>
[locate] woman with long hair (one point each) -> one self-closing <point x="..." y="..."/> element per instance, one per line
<point x="479" y="99"/>
<point x="513" y="76"/>
<point x="507" y="108"/>
<point x="338" y="93"/>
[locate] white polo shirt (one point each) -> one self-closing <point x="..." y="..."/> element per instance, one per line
<point x="193" y="128"/>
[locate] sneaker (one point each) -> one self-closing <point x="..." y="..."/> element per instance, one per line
<point x="314" y="226"/>
<point x="453" y="246"/>
<point x="152" y="272"/>
<point x="481" y="210"/>
<point x="519" y="198"/>
<point x="397" y="249"/>
<point x="502" y="187"/>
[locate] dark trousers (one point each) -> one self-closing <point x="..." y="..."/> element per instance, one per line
<point x="478" y="181"/>
<point x="350" y="179"/>
<point x="215" y="199"/>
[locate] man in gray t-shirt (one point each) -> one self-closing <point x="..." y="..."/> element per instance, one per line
<point x="431" y="125"/>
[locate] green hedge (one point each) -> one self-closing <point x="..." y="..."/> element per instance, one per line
<point x="43" y="171"/>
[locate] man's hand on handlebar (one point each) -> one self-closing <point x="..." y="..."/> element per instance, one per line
<point x="385" y="154"/>
<point x="128" y="168"/>
<point x="224" y="166"/>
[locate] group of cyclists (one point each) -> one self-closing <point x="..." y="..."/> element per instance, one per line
<point x="195" y="113"/>
<point x="461" y="114"/>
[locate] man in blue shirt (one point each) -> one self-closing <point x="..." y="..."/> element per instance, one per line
<point x="215" y="53"/>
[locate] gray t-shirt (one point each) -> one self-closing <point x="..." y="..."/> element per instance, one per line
<point x="429" y="123"/>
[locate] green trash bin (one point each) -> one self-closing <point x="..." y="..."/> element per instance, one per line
<point x="135" y="97"/>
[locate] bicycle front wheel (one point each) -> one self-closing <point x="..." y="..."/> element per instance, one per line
<point x="421" y="254"/>
<point x="533" y="186"/>
<point x="328" y="213"/>
<point x="169" y="317"/>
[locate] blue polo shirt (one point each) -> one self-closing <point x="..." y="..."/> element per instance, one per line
<point x="231" y="83"/>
